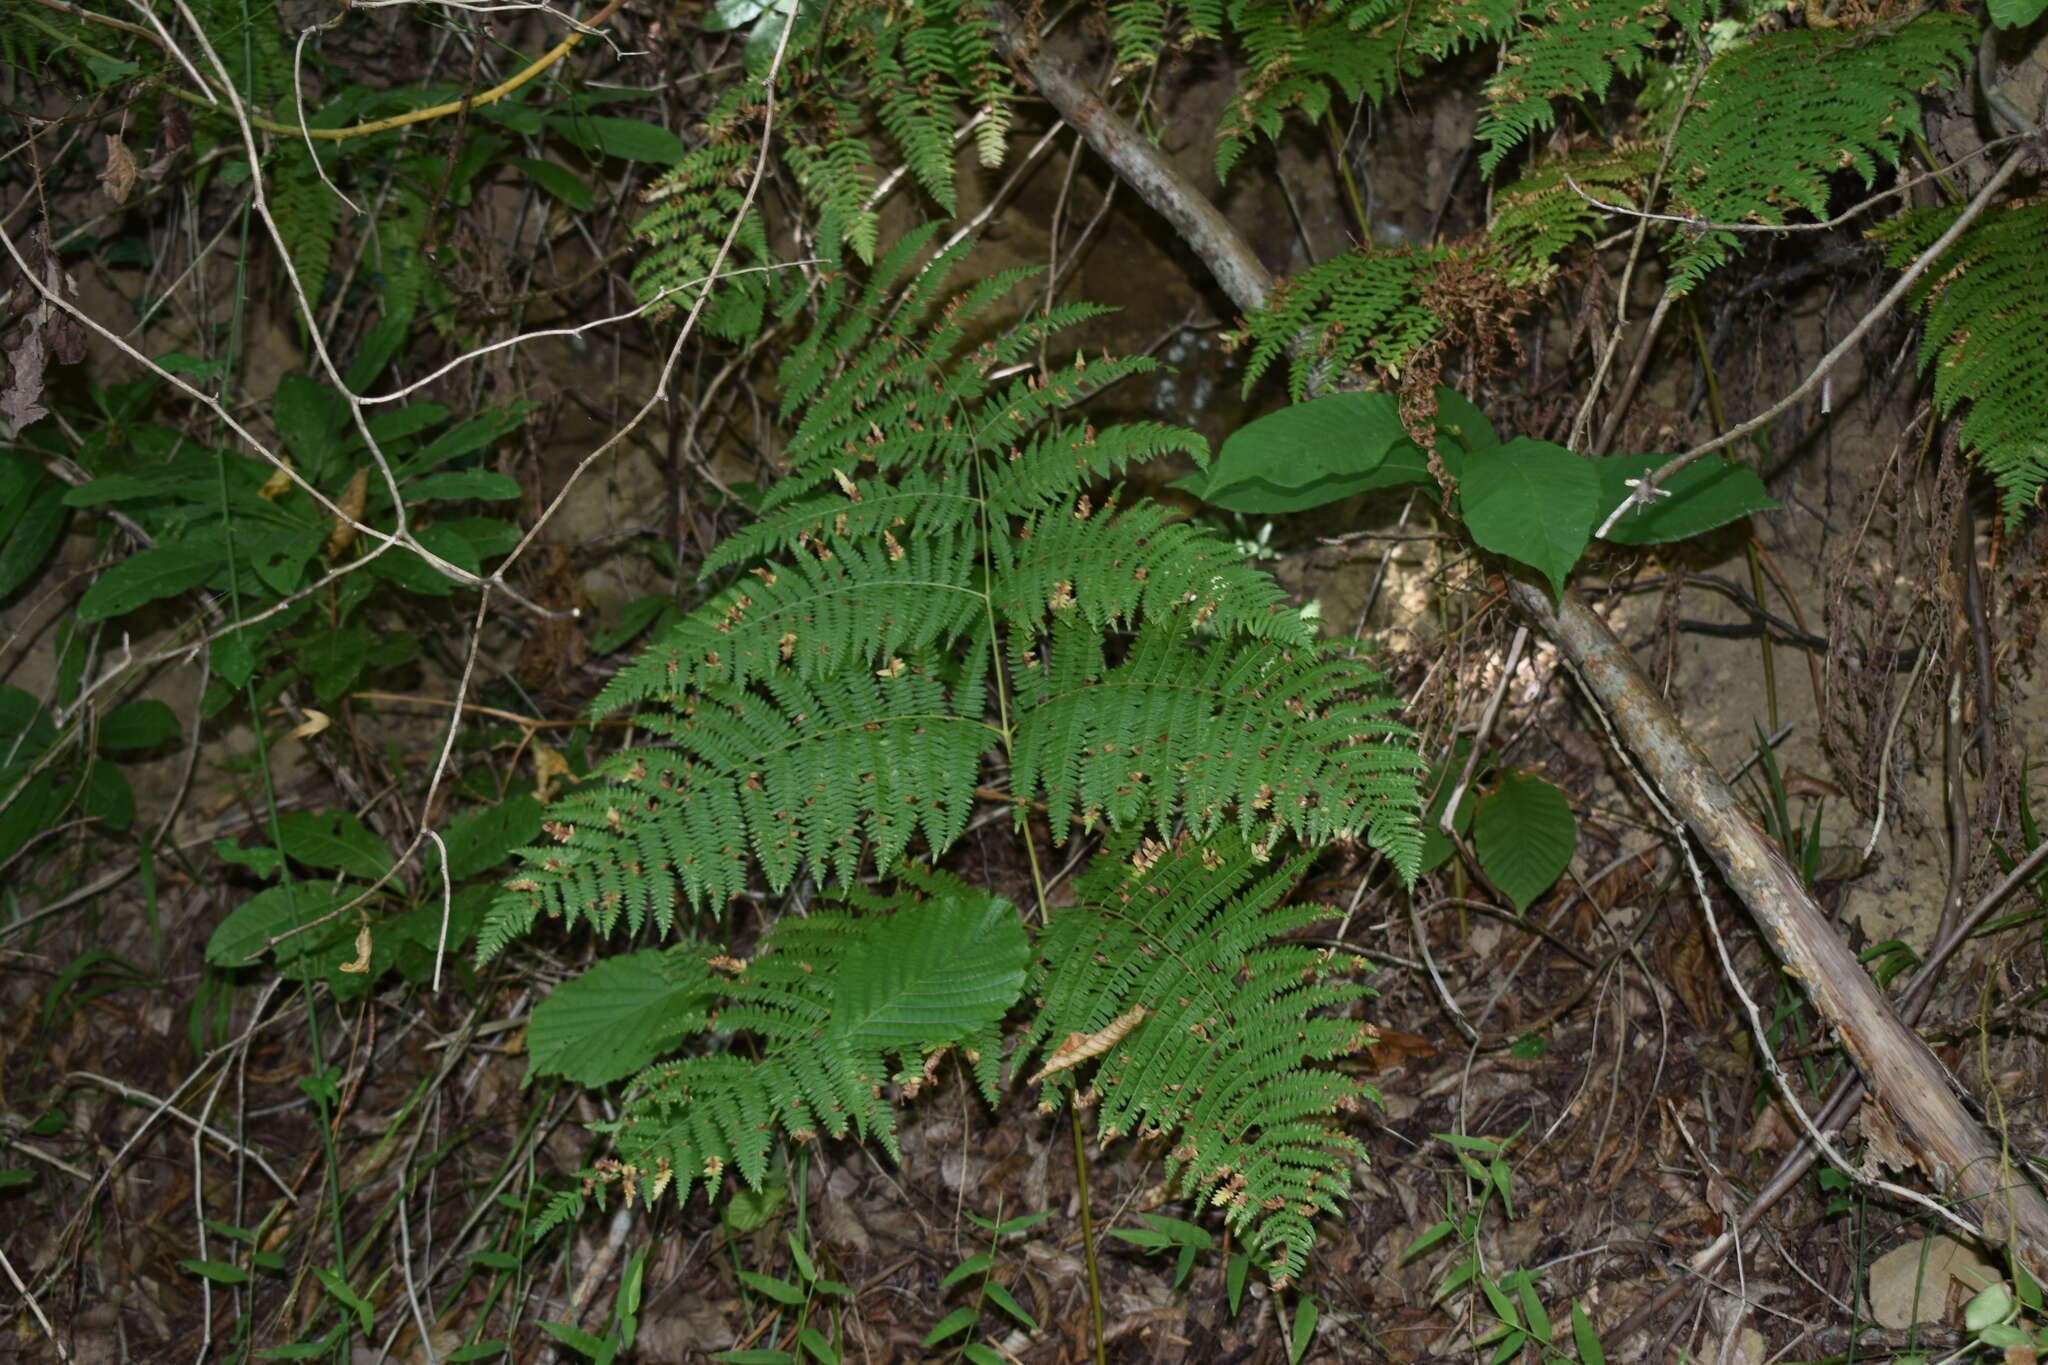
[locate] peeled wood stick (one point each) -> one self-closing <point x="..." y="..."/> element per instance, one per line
<point x="1903" y="1075"/>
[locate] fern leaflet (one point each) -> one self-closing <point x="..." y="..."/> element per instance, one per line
<point x="1233" y="1016"/>
<point x="1987" y="337"/>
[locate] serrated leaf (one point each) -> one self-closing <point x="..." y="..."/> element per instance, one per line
<point x="1524" y="833"/>
<point x="1533" y="502"/>
<point x="933" y="973"/>
<point x="617" y="1017"/>
<point x="1706" y="494"/>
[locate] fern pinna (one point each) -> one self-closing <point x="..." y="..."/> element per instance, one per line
<point x="1987" y="337"/>
<point x="940" y="596"/>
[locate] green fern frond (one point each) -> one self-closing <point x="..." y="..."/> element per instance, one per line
<point x="308" y="215"/>
<point x="1576" y="51"/>
<point x="1061" y="463"/>
<point x="694" y="205"/>
<point x="1987" y="337"/>
<point x="914" y="95"/>
<point x="842" y="324"/>
<point x="1233" y="1017"/>
<point x="827" y="1003"/>
<point x="1775" y="119"/>
<point x="1237" y="732"/>
<point x="814" y="616"/>
<point x="1363" y="306"/>
<point x="827" y="708"/>
<point x="811" y="773"/>
<point x="1115" y="567"/>
<point x="988" y="81"/>
<point x="563" y="1206"/>
<point x="1546" y="212"/>
<point x="1299" y="61"/>
<point x="836" y="174"/>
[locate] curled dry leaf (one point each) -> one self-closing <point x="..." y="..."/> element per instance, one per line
<point x="549" y="769"/>
<point x="1079" y="1047"/>
<point x="362" y="963"/>
<point x="313" y="724"/>
<point x="344" y="533"/>
<point x="118" y="179"/>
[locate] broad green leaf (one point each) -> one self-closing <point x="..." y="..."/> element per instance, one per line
<point x="333" y="840"/>
<point x="558" y="180"/>
<point x="31" y="519"/>
<point x="462" y="484"/>
<point x="731" y="14"/>
<point x="333" y="657"/>
<point x="935" y="971"/>
<point x="1524" y="833"/>
<point x="1533" y="502"/>
<point x="314" y="421"/>
<point x="625" y="138"/>
<point x="472" y="435"/>
<point x="1459" y="418"/>
<point x="482" y="839"/>
<point x="814" y="1342"/>
<point x="1303" y="456"/>
<point x="1002" y="1299"/>
<point x="1708" y="493"/>
<point x="390" y="425"/>
<point x="150" y="575"/>
<point x="2016" y="13"/>
<point x="107" y="797"/>
<point x="140" y="724"/>
<point x="973" y="1265"/>
<point x="617" y="1017"/>
<point x="487" y="537"/>
<point x="1586" y="1338"/>
<point x="263" y="860"/>
<point x="267" y="914"/>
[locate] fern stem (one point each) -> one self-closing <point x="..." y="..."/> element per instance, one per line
<point x="1351" y="194"/>
<point x="1087" y="1230"/>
